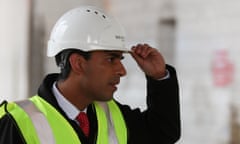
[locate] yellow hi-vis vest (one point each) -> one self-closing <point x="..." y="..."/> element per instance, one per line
<point x="41" y="123"/>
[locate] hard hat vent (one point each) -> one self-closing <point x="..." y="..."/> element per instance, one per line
<point x="96" y="12"/>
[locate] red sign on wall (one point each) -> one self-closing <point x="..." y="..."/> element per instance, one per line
<point x="222" y="68"/>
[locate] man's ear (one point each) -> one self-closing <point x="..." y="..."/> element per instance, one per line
<point x="77" y="63"/>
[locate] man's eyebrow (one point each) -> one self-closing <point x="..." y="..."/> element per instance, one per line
<point x="116" y="55"/>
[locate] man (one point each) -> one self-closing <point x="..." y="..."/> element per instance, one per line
<point x="88" y="46"/>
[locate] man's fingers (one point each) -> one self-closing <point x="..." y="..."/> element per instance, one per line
<point x="134" y="54"/>
<point x="142" y="50"/>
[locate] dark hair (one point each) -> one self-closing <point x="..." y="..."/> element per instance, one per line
<point x="62" y="61"/>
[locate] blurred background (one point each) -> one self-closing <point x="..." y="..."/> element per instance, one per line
<point x="200" y="38"/>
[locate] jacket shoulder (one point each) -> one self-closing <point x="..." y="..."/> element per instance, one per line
<point x="10" y="132"/>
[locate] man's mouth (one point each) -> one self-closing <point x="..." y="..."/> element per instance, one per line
<point x="114" y="84"/>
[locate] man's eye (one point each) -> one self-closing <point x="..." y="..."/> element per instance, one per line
<point x="115" y="58"/>
<point x="111" y="59"/>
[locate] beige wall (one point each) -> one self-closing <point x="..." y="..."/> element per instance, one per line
<point x="204" y="27"/>
<point x="14" y="30"/>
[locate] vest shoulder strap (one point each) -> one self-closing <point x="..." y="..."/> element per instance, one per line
<point x="22" y="120"/>
<point x="110" y="119"/>
<point x="63" y="132"/>
<point x="40" y="123"/>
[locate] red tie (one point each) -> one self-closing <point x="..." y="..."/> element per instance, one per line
<point x="84" y="123"/>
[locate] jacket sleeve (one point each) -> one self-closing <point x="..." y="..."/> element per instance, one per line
<point x="163" y="113"/>
<point x="160" y="122"/>
<point x="9" y="131"/>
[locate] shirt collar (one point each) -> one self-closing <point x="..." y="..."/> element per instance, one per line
<point x="70" y="110"/>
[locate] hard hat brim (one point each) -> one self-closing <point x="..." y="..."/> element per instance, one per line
<point x="55" y="48"/>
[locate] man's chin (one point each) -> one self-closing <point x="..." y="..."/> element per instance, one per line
<point x="105" y="99"/>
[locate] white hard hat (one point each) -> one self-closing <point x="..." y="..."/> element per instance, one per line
<point x="86" y="28"/>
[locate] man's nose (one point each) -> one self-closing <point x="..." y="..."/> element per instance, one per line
<point x="121" y="71"/>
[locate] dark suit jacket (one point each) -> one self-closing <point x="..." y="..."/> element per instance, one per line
<point x="159" y="123"/>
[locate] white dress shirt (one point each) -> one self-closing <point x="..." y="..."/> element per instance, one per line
<point x="70" y="110"/>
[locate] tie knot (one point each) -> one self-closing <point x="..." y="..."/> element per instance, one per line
<point x="83" y="122"/>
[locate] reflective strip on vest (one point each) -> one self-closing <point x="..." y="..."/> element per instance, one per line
<point x="24" y="123"/>
<point x="63" y="132"/>
<point x="112" y="127"/>
<point x="39" y="121"/>
<point x="118" y="122"/>
<point x="44" y="124"/>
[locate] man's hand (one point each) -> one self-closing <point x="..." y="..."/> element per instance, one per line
<point x="149" y="60"/>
